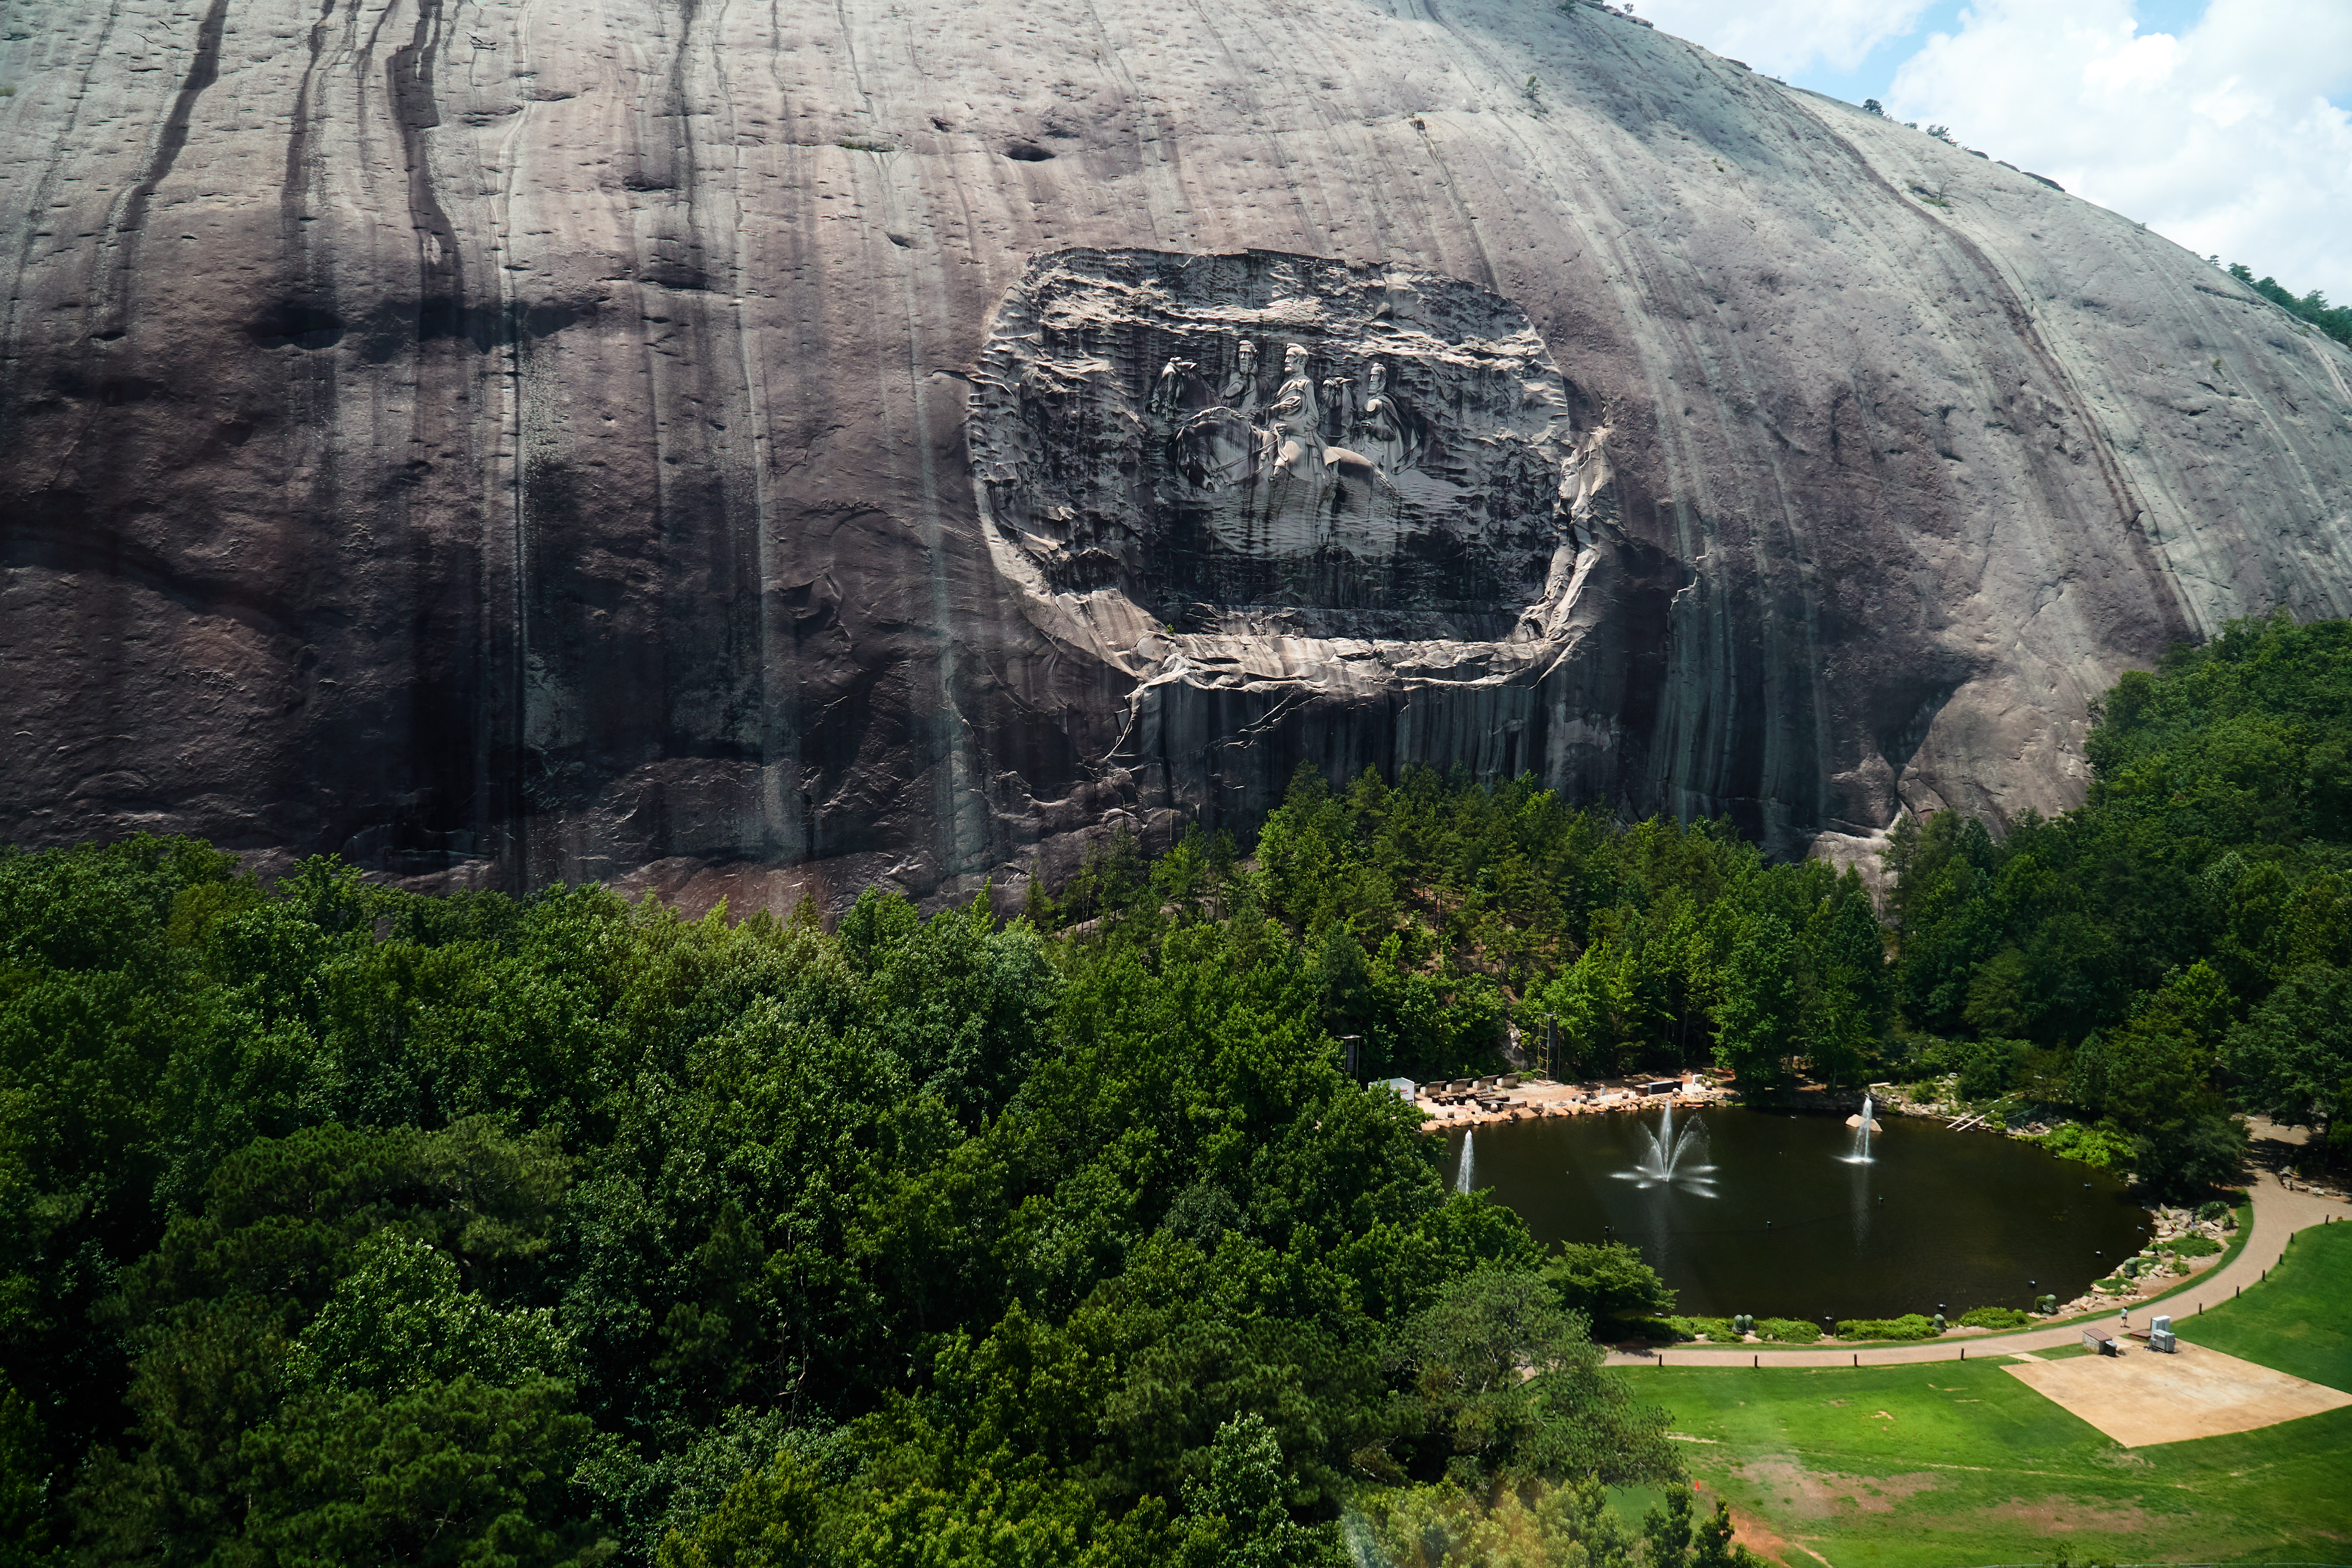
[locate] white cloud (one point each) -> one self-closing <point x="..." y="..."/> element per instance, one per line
<point x="2222" y="138"/>
<point x="1783" y="37"/>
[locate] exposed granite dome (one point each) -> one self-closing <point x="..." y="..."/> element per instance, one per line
<point x="529" y="440"/>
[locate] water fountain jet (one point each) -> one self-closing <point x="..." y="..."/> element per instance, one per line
<point x="1863" y="1128"/>
<point x="1675" y="1159"/>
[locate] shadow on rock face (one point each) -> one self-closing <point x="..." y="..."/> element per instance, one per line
<point x="290" y="324"/>
<point x="1326" y="513"/>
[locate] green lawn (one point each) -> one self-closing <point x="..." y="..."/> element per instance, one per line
<point x="2295" y="1321"/>
<point x="1946" y="1466"/>
<point x="1950" y="1465"/>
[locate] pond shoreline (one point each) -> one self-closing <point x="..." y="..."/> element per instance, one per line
<point x="1532" y="1098"/>
<point x="1505" y="1098"/>
<point x="1863" y="1228"/>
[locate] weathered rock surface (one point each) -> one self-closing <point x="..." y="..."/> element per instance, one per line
<point x="1171" y="504"/>
<point x="1360" y="452"/>
<point x="724" y="447"/>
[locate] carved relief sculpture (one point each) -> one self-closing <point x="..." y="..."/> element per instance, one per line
<point x="1380" y="433"/>
<point x="1585" y="476"/>
<point x="1114" y="480"/>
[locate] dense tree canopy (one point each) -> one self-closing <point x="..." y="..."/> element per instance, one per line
<point x="2292" y="1058"/>
<point x="342" y="1222"/>
<point x="1440" y="915"/>
<point x="349" y="1222"/>
<point x="2151" y="957"/>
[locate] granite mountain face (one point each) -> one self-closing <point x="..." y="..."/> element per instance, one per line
<point x="740" y="449"/>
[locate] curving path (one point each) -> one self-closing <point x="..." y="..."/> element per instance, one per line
<point x="2278" y="1215"/>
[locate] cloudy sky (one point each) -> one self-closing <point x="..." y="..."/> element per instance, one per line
<point x="2220" y="124"/>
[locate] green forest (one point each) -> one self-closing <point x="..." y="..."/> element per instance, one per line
<point x="348" y="1224"/>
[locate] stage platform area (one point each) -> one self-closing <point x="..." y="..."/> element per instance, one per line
<point x="2144" y="1397"/>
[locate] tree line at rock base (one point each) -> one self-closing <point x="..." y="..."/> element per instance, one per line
<point x="349" y="1223"/>
<point x="2176" y="949"/>
<point x="345" y="1222"/>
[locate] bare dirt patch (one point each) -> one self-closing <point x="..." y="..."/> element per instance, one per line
<point x="2142" y="1397"/>
<point x="1818" y="1494"/>
<point x="1751" y="1531"/>
<point x="2061" y="1515"/>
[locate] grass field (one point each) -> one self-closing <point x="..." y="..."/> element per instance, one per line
<point x="1948" y="1465"/>
<point x="2297" y="1320"/>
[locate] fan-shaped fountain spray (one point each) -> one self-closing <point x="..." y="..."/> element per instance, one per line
<point x="1675" y="1159"/>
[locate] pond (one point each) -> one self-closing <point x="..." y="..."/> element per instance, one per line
<point x="1783" y="1214"/>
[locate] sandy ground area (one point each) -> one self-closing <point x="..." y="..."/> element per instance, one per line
<point x="2143" y="1398"/>
<point x="1448" y="1109"/>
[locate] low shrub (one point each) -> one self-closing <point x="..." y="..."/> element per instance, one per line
<point x="1909" y="1326"/>
<point x="1984" y="1068"/>
<point x="1988" y="1071"/>
<point x="1995" y="1317"/>
<point x="1651" y="1330"/>
<point x="2088" y="1145"/>
<point x="2215" y="1209"/>
<point x="1787" y="1330"/>
<point x="1915" y="1060"/>
<point x="2192" y="1246"/>
<point x="1988" y="1068"/>
<point x="1718" y="1328"/>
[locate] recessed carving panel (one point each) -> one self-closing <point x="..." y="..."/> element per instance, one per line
<point x="1270" y="444"/>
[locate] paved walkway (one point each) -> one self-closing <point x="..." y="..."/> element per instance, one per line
<point x="2278" y="1215"/>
